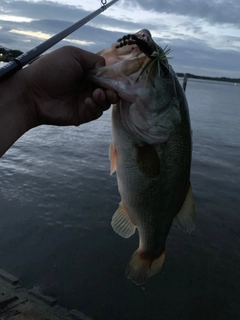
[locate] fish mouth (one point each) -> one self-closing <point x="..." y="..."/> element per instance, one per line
<point x="142" y="42"/>
<point x="142" y="39"/>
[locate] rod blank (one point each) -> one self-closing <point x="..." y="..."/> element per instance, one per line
<point x="25" y="58"/>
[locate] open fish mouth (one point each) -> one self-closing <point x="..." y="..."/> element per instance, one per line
<point x="142" y="41"/>
<point x="134" y="62"/>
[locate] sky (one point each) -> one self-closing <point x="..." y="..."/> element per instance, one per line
<point x="204" y="35"/>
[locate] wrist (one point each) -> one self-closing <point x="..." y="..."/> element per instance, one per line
<point x="17" y="115"/>
<point x="25" y="100"/>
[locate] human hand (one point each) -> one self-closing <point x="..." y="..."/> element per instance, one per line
<point x="58" y="89"/>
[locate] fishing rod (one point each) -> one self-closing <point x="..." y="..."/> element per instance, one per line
<point x="25" y="58"/>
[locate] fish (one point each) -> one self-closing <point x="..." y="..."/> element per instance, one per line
<point x="151" y="148"/>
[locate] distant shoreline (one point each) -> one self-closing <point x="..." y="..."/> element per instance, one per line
<point x="223" y="79"/>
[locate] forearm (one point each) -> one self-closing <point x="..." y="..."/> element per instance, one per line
<point x="16" y="116"/>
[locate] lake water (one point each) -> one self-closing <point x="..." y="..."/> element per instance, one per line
<point x="57" y="200"/>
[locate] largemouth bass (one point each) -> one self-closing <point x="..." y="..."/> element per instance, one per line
<point x="150" y="150"/>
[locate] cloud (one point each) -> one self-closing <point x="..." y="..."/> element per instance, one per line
<point x="204" y="35"/>
<point x="46" y="9"/>
<point x="200" y="59"/>
<point x="45" y="36"/>
<point x="213" y="11"/>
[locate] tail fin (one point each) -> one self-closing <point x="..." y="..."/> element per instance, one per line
<point x="139" y="268"/>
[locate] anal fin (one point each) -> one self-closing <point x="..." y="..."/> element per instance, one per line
<point x="121" y="223"/>
<point x="186" y="217"/>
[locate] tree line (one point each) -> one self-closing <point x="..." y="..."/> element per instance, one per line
<point x="8" y="55"/>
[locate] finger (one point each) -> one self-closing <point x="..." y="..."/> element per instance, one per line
<point x="88" y="60"/>
<point x="92" y="110"/>
<point x="101" y="99"/>
<point x="112" y="96"/>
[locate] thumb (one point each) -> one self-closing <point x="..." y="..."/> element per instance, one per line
<point x="88" y="60"/>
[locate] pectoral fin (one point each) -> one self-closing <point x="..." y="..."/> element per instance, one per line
<point x="186" y="217"/>
<point x="112" y="158"/>
<point x="148" y="161"/>
<point x="121" y="223"/>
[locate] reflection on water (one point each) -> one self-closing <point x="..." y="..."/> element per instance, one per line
<point x="57" y="200"/>
<point x="54" y="168"/>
